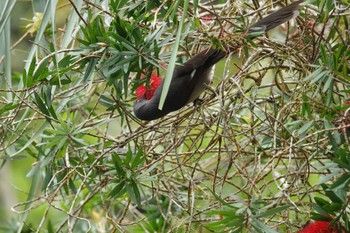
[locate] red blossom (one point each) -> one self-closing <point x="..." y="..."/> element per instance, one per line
<point x="148" y="91"/>
<point x="318" y="227"/>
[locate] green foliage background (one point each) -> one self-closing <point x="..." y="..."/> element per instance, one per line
<point x="267" y="151"/>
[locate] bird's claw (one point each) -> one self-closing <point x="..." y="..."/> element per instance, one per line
<point x="197" y="102"/>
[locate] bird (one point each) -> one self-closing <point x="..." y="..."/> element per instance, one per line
<point x="191" y="78"/>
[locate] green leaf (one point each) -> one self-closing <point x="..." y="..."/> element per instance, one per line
<point x="230" y="219"/>
<point x="319" y="209"/>
<point x="42" y="107"/>
<point x="331" y="195"/>
<point x="260" y="227"/>
<point x="319" y="217"/>
<point x="272" y="211"/>
<point x="128" y="156"/>
<point x="8" y="107"/>
<point x="320" y="201"/>
<point x="60" y="80"/>
<point x="136" y="192"/>
<point x="118" y="190"/>
<point x="35" y="174"/>
<point x="333" y="143"/>
<point x="171" y="65"/>
<point x="317" y="75"/>
<point x="65" y="61"/>
<point x="90" y="69"/>
<point x="305" y="107"/>
<point x="42" y="71"/>
<point x="27" y="77"/>
<point x="305" y="127"/>
<point x="219" y="199"/>
<point x="117" y="164"/>
<point x="341" y="182"/>
<point x="137" y="159"/>
<point x="72" y="186"/>
<point x="334" y="134"/>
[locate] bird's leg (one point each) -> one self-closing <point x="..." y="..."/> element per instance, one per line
<point x="198" y="101"/>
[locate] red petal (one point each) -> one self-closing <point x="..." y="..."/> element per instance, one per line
<point x="140" y="91"/>
<point x="149" y="94"/>
<point x="148" y="91"/>
<point x="155" y="81"/>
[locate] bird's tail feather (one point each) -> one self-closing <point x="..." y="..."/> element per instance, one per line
<point x="265" y="24"/>
<point x="273" y="20"/>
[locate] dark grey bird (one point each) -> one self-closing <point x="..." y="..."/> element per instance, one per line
<point x="190" y="79"/>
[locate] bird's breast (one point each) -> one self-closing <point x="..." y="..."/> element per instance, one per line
<point x="202" y="80"/>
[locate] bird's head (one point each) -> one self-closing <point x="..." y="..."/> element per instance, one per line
<point x="146" y="104"/>
<point x="148" y="91"/>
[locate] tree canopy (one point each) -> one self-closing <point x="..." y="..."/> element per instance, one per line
<point x="266" y="151"/>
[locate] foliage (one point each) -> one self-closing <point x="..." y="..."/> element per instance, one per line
<point x="267" y="151"/>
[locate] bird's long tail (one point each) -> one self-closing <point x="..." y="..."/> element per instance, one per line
<point x="257" y="29"/>
<point x="273" y="20"/>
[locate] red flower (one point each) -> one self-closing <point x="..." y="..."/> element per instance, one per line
<point x="318" y="227"/>
<point x="148" y="91"/>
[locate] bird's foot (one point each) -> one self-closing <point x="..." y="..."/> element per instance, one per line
<point x="197" y="102"/>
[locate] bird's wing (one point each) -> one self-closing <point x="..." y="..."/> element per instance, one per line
<point x="207" y="58"/>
